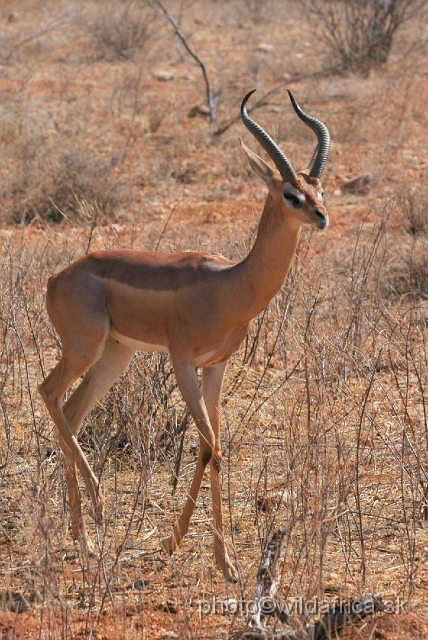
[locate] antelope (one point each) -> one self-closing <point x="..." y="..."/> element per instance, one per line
<point x="195" y="306"/>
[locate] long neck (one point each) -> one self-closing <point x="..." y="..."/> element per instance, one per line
<point x="257" y="279"/>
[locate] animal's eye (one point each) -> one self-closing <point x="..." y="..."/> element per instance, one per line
<point x="293" y="200"/>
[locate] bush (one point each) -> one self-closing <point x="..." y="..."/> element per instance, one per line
<point x="122" y="32"/>
<point x="409" y="277"/>
<point x="360" y="34"/>
<point x="414" y="207"/>
<point x="51" y="185"/>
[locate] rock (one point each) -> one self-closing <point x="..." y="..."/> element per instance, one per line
<point x="199" y="110"/>
<point x="164" y="76"/>
<point x="265" y="46"/>
<point x="13" y="17"/>
<point x="360" y="185"/>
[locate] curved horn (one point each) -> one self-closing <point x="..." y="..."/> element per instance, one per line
<point x="322" y="134"/>
<point x="269" y="145"/>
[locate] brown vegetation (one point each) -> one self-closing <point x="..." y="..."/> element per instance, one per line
<point x="325" y="408"/>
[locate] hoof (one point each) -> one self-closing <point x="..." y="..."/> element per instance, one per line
<point x="87" y="548"/>
<point x="93" y="554"/>
<point x="227" y="568"/>
<point x="97" y="510"/>
<point x="169" y="545"/>
<point x="229" y="573"/>
<point x="231" y="578"/>
<point x="99" y="514"/>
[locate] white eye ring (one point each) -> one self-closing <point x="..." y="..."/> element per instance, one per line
<point x="296" y="201"/>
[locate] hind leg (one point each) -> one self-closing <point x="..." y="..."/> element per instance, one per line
<point x="108" y="362"/>
<point x="100" y="377"/>
<point x="52" y="391"/>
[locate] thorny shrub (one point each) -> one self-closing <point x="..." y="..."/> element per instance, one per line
<point x="360" y="34"/>
<point x="122" y="30"/>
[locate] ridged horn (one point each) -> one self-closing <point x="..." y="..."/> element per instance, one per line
<point x="269" y="145"/>
<point x="322" y="134"/>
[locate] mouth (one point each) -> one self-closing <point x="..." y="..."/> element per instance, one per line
<point x="322" y="220"/>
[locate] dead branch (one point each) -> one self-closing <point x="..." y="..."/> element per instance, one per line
<point x="162" y="11"/>
<point x="339" y="615"/>
<point x="333" y="622"/>
<point x="263" y="100"/>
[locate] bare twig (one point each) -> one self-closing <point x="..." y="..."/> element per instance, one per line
<point x="184" y="423"/>
<point x="162" y="11"/>
<point x="162" y="233"/>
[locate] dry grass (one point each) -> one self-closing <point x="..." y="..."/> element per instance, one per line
<point x="325" y="405"/>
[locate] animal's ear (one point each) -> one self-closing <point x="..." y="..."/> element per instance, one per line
<point x="258" y="165"/>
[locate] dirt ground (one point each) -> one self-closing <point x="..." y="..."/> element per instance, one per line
<point x="106" y="142"/>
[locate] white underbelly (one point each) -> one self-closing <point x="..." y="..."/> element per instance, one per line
<point x="137" y="345"/>
<point x="200" y="361"/>
<point x="204" y="358"/>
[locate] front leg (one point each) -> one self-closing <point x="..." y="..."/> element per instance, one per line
<point x="212" y="382"/>
<point x="187" y="380"/>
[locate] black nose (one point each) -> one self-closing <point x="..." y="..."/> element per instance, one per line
<point x="323" y="220"/>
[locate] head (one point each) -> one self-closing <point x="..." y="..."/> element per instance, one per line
<point x="298" y="194"/>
